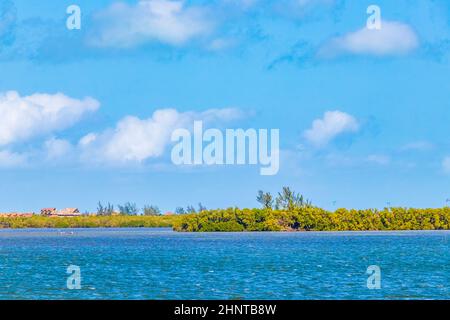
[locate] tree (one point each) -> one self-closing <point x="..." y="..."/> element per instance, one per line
<point x="191" y="209"/>
<point x="100" y="209"/>
<point x="180" y="210"/>
<point x="289" y="200"/>
<point x="201" y="207"/>
<point x="105" y="210"/>
<point x="151" y="211"/>
<point x="129" y="209"/>
<point x="265" y="199"/>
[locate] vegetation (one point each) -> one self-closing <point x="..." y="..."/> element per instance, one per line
<point x="288" y="211"/>
<point x="309" y="218"/>
<point x="151" y="211"/>
<point x="114" y="221"/>
<point x="128" y="209"/>
<point x="190" y="209"/>
<point x="289" y="200"/>
<point x="265" y="199"/>
<point x="180" y="210"/>
<point x="105" y="210"/>
<point x="233" y="219"/>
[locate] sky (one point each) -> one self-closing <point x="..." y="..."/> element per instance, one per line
<point x="86" y="114"/>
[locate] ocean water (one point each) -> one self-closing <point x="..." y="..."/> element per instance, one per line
<point x="161" y="264"/>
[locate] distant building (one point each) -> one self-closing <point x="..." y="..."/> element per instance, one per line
<point x="68" y="212"/>
<point x="48" y="211"/>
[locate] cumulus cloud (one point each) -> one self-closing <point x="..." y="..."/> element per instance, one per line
<point x="131" y="141"/>
<point x="446" y="165"/>
<point x="24" y="117"/>
<point x="169" y="22"/>
<point x="394" y="38"/>
<point x="330" y="126"/>
<point x="136" y="140"/>
<point x="57" y="148"/>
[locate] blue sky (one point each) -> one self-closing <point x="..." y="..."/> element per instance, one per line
<point x="86" y="114"/>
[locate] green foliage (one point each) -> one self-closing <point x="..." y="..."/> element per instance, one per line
<point x="201" y="207"/>
<point x="309" y="218"/>
<point x="190" y="209"/>
<point x="105" y="210"/>
<point x="129" y="209"/>
<point x="114" y="221"/>
<point x="289" y="200"/>
<point x="234" y="219"/>
<point x="265" y="199"/>
<point x="151" y="211"/>
<point x="180" y="210"/>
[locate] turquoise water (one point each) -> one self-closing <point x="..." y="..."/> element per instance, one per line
<point x="161" y="264"/>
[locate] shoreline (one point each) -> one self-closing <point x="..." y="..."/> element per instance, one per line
<point x="170" y="229"/>
<point x="306" y="219"/>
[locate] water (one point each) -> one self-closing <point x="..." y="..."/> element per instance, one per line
<point x="161" y="264"/>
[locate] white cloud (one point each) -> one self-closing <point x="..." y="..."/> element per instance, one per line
<point x="136" y="140"/>
<point x="132" y="140"/>
<point x="10" y="159"/>
<point x="25" y="117"/>
<point x="446" y="165"/>
<point x="379" y="159"/>
<point x="57" y="148"/>
<point x="169" y="22"/>
<point x="394" y="38"/>
<point x="331" y="125"/>
<point x="87" y="139"/>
